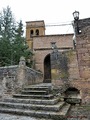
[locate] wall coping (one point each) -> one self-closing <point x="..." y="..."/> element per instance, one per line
<point x="13" y="66"/>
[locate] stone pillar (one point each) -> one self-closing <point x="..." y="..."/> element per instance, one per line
<point x="3" y="88"/>
<point x="21" y="73"/>
<point x="55" y="63"/>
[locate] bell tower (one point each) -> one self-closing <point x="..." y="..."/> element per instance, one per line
<point x="34" y="28"/>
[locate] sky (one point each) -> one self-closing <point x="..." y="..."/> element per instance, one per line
<point x="53" y="12"/>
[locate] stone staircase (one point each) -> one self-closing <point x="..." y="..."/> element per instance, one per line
<point x="36" y="101"/>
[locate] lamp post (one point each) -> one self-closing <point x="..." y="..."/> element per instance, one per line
<point x="76" y="18"/>
<point x="76" y="15"/>
<point x="75" y="26"/>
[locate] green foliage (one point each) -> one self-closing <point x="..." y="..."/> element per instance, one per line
<point x="12" y="42"/>
<point x="7" y="24"/>
<point x="7" y="30"/>
<point x="70" y="55"/>
<point x="19" y="46"/>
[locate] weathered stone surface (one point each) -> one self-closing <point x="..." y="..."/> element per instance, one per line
<point x="57" y="110"/>
<point x="42" y="47"/>
<point x="13" y="78"/>
<point x="17" y="117"/>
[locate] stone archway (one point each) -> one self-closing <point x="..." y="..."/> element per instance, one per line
<point x="47" y="69"/>
<point x="72" y="95"/>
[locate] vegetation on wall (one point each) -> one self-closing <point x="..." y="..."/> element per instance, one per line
<point x="70" y="55"/>
<point x="12" y="42"/>
<point x="64" y="66"/>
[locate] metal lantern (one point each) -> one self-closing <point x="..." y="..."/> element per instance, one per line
<point x="76" y="15"/>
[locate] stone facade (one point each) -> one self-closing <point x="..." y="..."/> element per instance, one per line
<point x="83" y="55"/>
<point x="42" y="47"/>
<point x="34" y="28"/>
<point x="41" y="43"/>
<point x="83" y="51"/>
<point x="79" y="58"/>
<point x="60" y="77"/>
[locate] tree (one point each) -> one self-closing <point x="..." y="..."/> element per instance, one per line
<point x="7" y="24"/>
<point x="12" y="42"/>
<point x="20" y="47"/>
<point x="7" y="32"/>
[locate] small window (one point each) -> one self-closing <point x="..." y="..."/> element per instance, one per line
<point x="31" y="33"/>
<point x="37" y="32"/>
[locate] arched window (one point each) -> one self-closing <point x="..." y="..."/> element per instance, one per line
<point x="31" y="33"/>
<point x="37" y="32"/>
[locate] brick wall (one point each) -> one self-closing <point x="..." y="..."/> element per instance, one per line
<point x="42" y="47"/>
<point x="44" y="42"/>
<point x="83" y="51"/>
<point x="83" y="55"/>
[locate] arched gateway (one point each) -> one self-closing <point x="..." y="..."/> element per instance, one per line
<point x="47" y="69"/>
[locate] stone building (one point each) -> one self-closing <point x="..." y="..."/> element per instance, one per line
<point x="47" y="59"/>
<point x="40" y="44"/>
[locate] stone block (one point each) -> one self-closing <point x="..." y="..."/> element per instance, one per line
<point x="83" y="50"/>
<point x="85" y="74"/>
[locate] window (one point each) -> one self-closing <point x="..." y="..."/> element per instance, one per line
<point x="31" y="33"/>
<point x="37" y="32"/>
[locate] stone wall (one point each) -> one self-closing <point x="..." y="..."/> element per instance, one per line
<point x="73" y="65"/>
<point x="83" y="55"/>
<point x="33" y="76"/>
<point x="8" y="80"/>
<point x="70" y="63"/>
<point x="81" y="24"/>
<point x="14" y="78"/>
<point x="44" y="42"/>
<point x="83" y="51"/>
<point x="42" y="47"/>
<point x="84" y="87"/>
<point x="79" y="65"/>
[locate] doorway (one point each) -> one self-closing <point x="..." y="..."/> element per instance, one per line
<point x="47" y="69"/>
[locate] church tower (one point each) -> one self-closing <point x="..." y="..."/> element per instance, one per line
<point x="34" y="28"/>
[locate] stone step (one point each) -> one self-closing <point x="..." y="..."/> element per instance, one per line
<point x="55" y="107"/>
<point x="41" y="85"/>
<point x="36" y="88"/>
<point x="41" y="114"/>
<point x="33" y="101"/>
<point x="33" y="96"/>
<point x="34" y="92"/>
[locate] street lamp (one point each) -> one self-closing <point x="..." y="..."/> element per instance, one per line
<point x="76" y="15"/>
<point x="76" y="22"/>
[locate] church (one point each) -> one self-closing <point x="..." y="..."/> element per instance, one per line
<point x="41" y="45"/>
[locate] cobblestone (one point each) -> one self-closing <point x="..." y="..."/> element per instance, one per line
<point x="78" y="113"/>
<point x="17" y="117"/>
